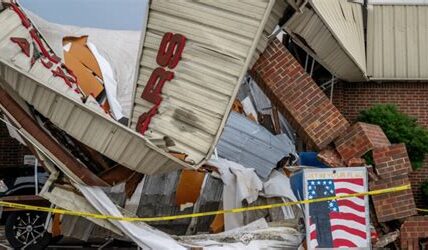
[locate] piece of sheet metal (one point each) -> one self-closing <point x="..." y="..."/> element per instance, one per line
<point x="250" y="144"/>
<point x="397" y="42"/>
<point x="332" y="32"/>
<point x="221" y="37"/>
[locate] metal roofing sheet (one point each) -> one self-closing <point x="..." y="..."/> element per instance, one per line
<point x="345" y="21"/>
<point x="221" y="37"/>
<point x="253" y="146"/>
<point x="397" y="2"/>
<point x="397" y="42"/>
<point x="332" y="33"/>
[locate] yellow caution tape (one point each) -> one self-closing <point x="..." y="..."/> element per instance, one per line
<point x="184" y="216"/>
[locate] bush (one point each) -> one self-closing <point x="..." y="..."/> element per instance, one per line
<point x="399" y="128"/>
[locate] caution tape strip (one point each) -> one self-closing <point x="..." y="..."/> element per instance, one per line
<point x="193" y="215"/>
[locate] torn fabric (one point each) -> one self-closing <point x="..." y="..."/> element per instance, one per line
<point x="142" y="234"/>
<point x="240" y="184"/>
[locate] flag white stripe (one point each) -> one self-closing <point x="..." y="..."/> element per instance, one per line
<point x="351" y="224"/>
<point x="351" y="186"/>
<point x="340" y="234"/>
<point x="346" y="209"/>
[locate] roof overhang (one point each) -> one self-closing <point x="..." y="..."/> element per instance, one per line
<point x="332" y="32"/>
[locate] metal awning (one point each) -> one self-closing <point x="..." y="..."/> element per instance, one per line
<point x="332" y="32"/>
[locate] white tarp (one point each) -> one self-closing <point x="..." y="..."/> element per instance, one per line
<point x="145" y="236"/>
<point x="241" y="183"/>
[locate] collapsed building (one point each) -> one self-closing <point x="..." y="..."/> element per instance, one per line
<point x="212" y="113"/>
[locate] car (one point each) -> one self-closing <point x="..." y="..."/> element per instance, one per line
<point x="24" y="229"/>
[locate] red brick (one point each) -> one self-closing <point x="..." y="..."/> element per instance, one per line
<point x="356" y="162"/>
<point x="331" y="158"/>
<point x="298" y="97"/>
<point x="391" y="160"/>
<point x="359" y="139"/>
<point x="393" y="206"/>
<point x="410" y="98"/>
<point x="413" y="229"/>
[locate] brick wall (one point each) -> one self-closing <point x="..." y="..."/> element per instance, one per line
<point x="413" y="229"/>
<point x="411" y="98"/>
<point x="393" y="206"/>
<point x="297" y="96"/>
<point x="11" y="151"/>
<point x="392" y="161"/>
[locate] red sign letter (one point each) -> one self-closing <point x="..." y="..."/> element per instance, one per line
<point x="170" y="49"/>
<point x="155" y="84"/>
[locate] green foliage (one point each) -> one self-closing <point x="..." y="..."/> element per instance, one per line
<point x="399" y="128"/>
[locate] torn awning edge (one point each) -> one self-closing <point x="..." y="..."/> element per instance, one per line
<point x="31" y="131"/>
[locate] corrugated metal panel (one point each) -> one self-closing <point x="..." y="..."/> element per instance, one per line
<point x="397" y="42"/>
<point x="398" y="2"/>
<point x="251" y="145"/>
<point x="55" y="100"/>
<point x="333" y="35"/>
<point x="221" y="38"/>
<point x="345" y="22"/>
<point x="158" y="199"/>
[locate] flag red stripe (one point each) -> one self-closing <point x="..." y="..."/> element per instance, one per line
<point x="343" y="243"/>
<point x="351" y="204"/>
<point x="353" y="231"/>
<point x="356" y="181"/>
<point x="313" y="235"/>
<point x="341" y="191"/>
<point x="348" y="216"/>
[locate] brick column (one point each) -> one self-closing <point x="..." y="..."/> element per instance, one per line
<point x="297" y="96"/>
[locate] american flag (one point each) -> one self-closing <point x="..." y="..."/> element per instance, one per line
<point x="337" y="223"/>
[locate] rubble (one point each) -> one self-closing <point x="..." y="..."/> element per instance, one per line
<point x="223" y="115"/>
<point x="359" y="139"/>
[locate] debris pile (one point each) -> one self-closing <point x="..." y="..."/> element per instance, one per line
<point x="231" y="141"/>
